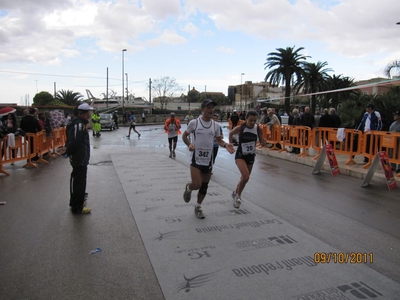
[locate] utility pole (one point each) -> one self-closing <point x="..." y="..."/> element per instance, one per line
<point x="107" y="90"/>
<point x="150" y="95"/>
<point x="127" y="91"/>
<point x="188" y="95"/>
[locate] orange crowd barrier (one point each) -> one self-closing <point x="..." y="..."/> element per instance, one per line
<point x="272" y="135"/>
<point x="296" y="137"/>
<point x="377" y="141"/>
<point x="350" y="145"/>
<point x="31" y="145"/>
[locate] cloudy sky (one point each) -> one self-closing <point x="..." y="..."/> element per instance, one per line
<point x="206" y="44"/>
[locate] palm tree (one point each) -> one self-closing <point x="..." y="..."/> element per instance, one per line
<point x="314" y="80"/>
<point x="283" y="65"/>
<point x="393" y="65"/>
<point x="69" y="97"/>
<point x="336" y="83"/>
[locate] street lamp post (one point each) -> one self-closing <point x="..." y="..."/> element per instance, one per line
<point x="123" y="91"/>
<point x="241" y="90"/>
<point x="127" y="90"/>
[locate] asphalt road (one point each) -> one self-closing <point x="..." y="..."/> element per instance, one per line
<point x="44" y="252"/>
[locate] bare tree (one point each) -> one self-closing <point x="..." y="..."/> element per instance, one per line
<point x="164" y="88"/>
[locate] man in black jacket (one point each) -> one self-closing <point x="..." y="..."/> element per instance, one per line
<point x="78" y="151"/>
<point x="29" y="123"/>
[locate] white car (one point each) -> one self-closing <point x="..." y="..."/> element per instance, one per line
<point x="107" y="121"/>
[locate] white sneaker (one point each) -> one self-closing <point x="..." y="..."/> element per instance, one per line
<point x="198" y="212"/>
<point x="237" y="200"/>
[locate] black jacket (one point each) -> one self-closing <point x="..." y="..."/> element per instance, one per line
<point x="78" y="145"/>
<point x="30" y="124"/>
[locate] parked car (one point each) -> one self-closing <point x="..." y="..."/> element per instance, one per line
<point x="107" y="121"/>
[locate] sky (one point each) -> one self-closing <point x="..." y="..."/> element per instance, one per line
<point x="205" y="44"/>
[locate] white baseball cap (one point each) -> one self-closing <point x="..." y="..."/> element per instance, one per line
<point x="85" y="106"/>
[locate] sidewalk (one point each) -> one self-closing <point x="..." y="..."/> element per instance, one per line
<point x="355" y="170"/>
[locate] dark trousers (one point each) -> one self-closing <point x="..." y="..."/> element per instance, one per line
<point x="215" y="152"/>
<point x="78" y="187"/>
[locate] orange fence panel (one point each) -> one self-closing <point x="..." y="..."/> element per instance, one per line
<point x="350" y="145"/>
<point x="296" y="137"/>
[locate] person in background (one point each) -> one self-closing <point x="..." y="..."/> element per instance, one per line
<point x="249" y="133"/>
<point x="67" y="119"/>
<point x="42" y="120"/>
<point x="335" y="117"/>
<point x="30" y="124"/>
<point x="189" y="117"/>
<point x="115" y="117"/>
<point x="133" y="126"/>
<point x="78" y="151"/>
<point x="234" y="118"/>
<point x="47" y="125"/>
<point x="96" y="124"/>
<point x="172" y="126"/>
<point x="395" y="127"/>
<point x="216" y="146"/>
<point x="296" y="121"/>
<point x="317" y="117"/>
<point x="11" y="126"/>
<point x="143" y="117"/>
<point x="371" y="121"/>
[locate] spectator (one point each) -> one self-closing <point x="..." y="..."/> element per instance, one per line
<point x="326" y="119"/>
<point x="115" y="117"/>
<point x="307" y="119"/>
<point x="30" y="124"/>
<point x="143" y="117"/>
<point x="78" y="151"/>
<point x="67" y="119"/>
<point x="371" y="121"/>
<point x="317" y="118"/>
<point x="216" y="146"/>
<point x="277" y="115"/>
<point x="296" y="122"/>
<point x="42" y="120"/>
<point x="234" y="118"/>
<point x="11" y="126"/>
<point x="335" y="117"/>
<point x="395" y="127"/>
<point x="264" y="117"/>
<point x="47" y="125"/>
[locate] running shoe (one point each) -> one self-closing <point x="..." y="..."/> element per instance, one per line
<point x="173" y="154"/>
<point x="139" y="135"/>
<point x="85" y="210"/>
<point x="237" y="200"/>
<point x="198" y="212"/>
<point x="187" y="194"/>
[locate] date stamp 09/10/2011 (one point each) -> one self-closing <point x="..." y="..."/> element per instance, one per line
<point x="343" y="258"/>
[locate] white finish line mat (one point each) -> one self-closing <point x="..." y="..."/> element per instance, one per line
<point x="245" y="253"/>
